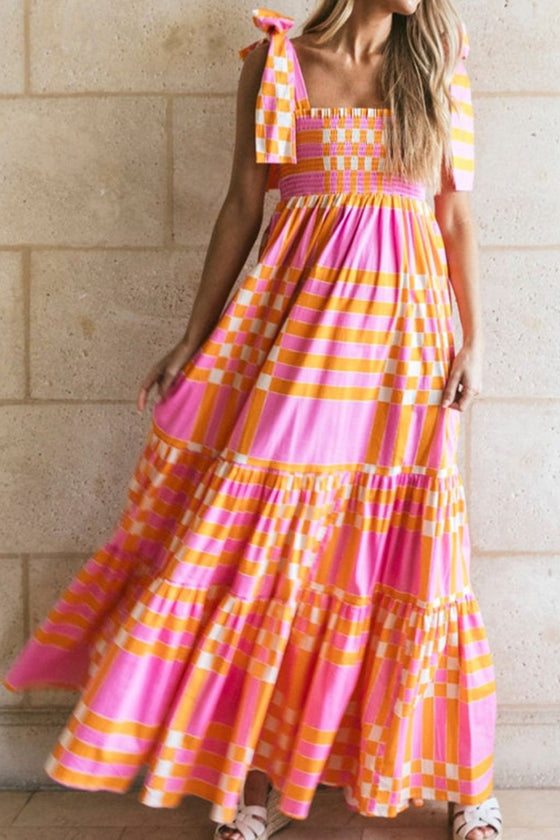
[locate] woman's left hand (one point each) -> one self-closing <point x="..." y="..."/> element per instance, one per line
<point x="464" y="382"/>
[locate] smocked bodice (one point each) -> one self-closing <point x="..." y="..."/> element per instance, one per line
<point x="341" y="150"/>
<point x="337" y="150"/>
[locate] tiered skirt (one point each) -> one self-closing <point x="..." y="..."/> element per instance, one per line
<point x="288" y="586"/>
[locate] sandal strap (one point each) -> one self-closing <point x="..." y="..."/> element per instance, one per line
<point x="246" y="823"/>
<point x="255" y="811"/>
<point x="467" y="817"/>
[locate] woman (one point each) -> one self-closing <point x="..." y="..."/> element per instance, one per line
<point x="288" y="590"/>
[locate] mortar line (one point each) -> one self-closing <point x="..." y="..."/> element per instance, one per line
<point x="123" y="94"/>
<point x="468" y="450"/>
<point x="510" y="552"/>
<point x="26" y="49"/>
<point x="531" y="400"/>
<point x="512" y="94"/>
<point x="26" y="613"/>
<point x="19" y="246"/>
<point x="170" y="160"/>
<point x="200" y="94"/>
<point x="486" y="553"/>
<point x="66" y="401"/>
<point x="42" y="555"/>
<point x="521" y="400"/>
<point x="527" y="707"/>
<point x="26" y="290"/>
<point x="509" y="248"/>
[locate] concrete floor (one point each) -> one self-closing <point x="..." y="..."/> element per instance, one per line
<point x="83" y="815"/>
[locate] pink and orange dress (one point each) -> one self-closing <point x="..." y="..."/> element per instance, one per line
<point x="288" y="585"/>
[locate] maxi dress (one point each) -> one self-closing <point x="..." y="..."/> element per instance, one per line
<point x="288" y="585"/>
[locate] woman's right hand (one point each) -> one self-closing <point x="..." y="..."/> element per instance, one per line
<point x="164" y="373"/>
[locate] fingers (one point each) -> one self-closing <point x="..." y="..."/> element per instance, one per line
<point x="459" y="392"/>
<point x="451" y="388"/>
<point x="461" y="398"/>
<point x="163" y="377"/>
<point x="146" y="387"/>
<point x="164" y="374"/>
<point x="166" y="381"/>
<point x="467" y="396"/>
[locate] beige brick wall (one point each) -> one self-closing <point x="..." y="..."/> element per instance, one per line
<point x="117" y="133"/>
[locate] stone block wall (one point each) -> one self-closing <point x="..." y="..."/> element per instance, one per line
<point x="117" y="134"/>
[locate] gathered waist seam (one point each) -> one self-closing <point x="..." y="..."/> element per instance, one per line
<point x="349" y="198"/>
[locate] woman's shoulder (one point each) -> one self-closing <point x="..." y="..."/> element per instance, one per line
<point x="310" y="52"/>
<point x="306" y="42"/>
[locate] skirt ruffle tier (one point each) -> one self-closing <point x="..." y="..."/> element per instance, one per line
<point x="245" y="617"/>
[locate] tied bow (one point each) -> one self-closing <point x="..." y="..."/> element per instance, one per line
<point x="270" y="22"/>
<point x="275" y="140"/>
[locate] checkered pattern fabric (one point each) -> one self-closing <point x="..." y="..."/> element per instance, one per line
<point x="341" y="151"/>
<point x="274" y="114"/>
<point x="282" y="100"/>
<point x="288" y="587"/>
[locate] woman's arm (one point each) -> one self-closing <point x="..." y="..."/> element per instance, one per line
<point x="234" y="233"/>
<point x="240" y="217"/>
<point x="454" y="216"/>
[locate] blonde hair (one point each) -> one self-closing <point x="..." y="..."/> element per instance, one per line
<point x="419" y="61"/>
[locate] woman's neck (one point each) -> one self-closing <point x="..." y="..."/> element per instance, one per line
<point x="365" y="32"/>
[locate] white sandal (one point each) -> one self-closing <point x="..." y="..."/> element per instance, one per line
<point x="463" y="818"/>
<point x="251" y="828"/>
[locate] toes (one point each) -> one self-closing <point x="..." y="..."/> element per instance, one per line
<point x="482" y="833"/>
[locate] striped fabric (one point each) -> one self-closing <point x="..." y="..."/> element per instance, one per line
<point x="288" y="587"/>
<point x="462" y="126"/>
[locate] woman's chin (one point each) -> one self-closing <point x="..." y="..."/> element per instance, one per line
<point x="405" y="7"/>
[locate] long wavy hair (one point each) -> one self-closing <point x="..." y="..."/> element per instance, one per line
<point x="418" y="63"/>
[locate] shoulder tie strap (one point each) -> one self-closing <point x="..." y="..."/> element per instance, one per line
<point x="462" y="120"/>
<point x="464" y="40"/>
<point x="274" y="113"/>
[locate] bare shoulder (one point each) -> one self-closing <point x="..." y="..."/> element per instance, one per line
<point x="311" y="54"/>
<point x="251" y="74"/>
<point x="307" y="44"/>
<point x="253" y="63"/>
